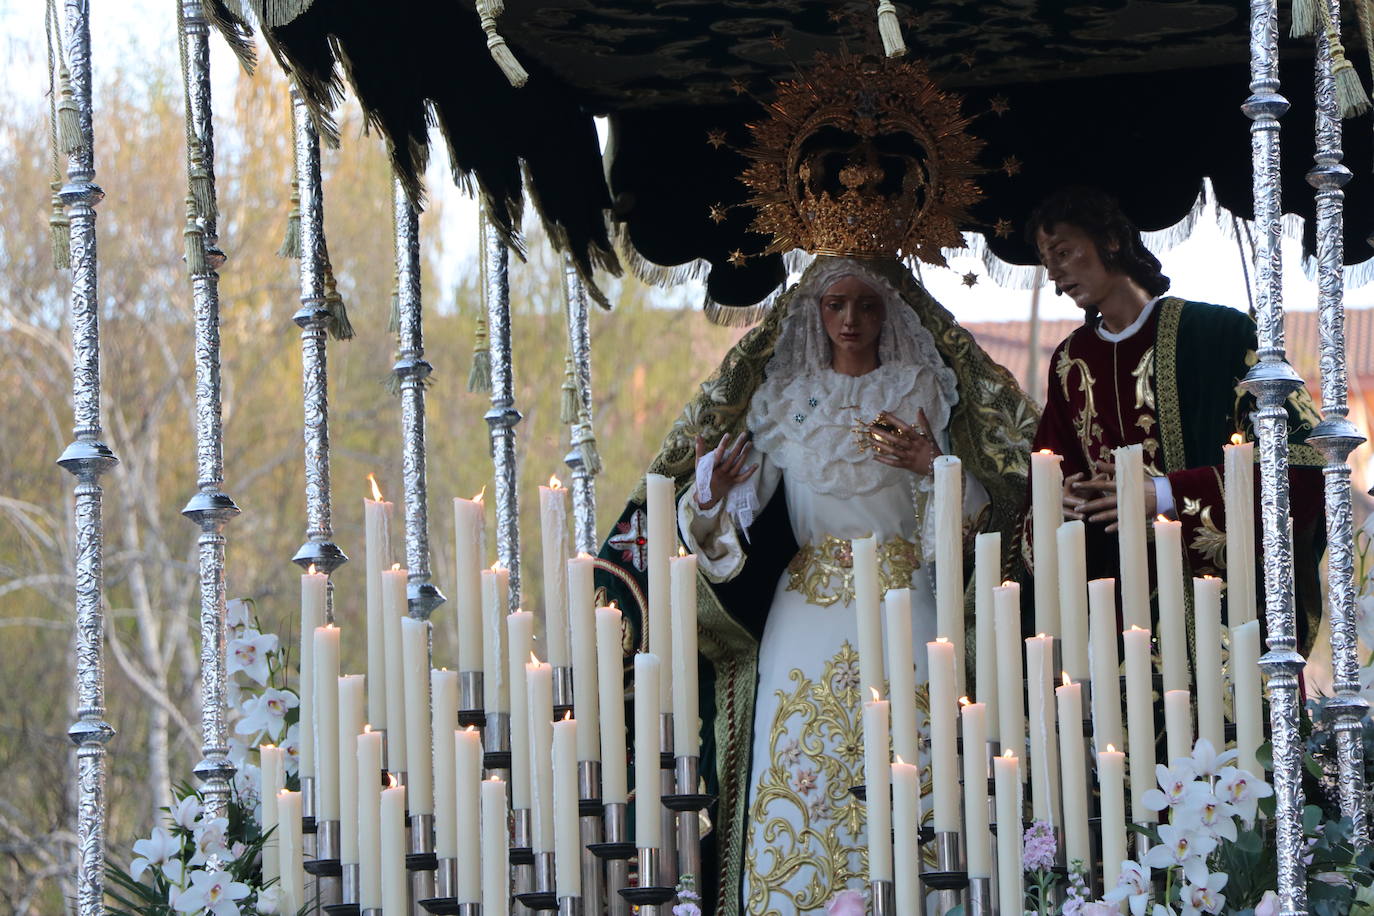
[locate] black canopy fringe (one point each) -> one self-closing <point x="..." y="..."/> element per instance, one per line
<point x="585" y="262"/>
<point x="737" y="316"/>
<point x="236" y="31"/>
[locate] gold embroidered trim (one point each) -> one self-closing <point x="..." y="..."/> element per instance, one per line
<point x="1166" y="383"/>
<point x="1209" y="541"/>
<point x="823" y="572"/>
<point x="1085" y="420"/>
<point x="1143" y="374"/>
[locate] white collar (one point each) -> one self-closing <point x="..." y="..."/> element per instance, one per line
<point x="1118" y="336"/>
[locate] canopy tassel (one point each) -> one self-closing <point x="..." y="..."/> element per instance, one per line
<point x="291" y="242"/>
<point x="1350" y="94"/>
<point x="479" y="378"/>
<point x="487" y="11"/>
<point x="337" y="324"/>
<point x="69" y="138"/>
<point x="194" y="236"/>
<point x="1304" y="18"/>
<point x="890" y="29"/>
<point x="61" y="228"/>
<point x="585" y="441"/>
<point x="567" y="412"/>
<point x="201" y="190"/>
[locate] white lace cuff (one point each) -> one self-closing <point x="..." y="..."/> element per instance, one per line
<point x="712" y="536"/>
<point x="741" y="503"/>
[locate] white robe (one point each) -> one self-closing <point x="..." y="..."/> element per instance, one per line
<point x="805" y="839"/>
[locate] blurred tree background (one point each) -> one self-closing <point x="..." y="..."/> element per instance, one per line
<point x="649" y="352"/>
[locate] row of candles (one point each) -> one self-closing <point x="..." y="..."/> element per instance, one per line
<point x="400" y="720"/>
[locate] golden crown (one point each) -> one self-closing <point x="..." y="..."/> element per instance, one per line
<point x="863" y="158"/>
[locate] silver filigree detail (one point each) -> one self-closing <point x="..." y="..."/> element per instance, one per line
<point x="580" y="349"/>
<point x="502" y="417"/>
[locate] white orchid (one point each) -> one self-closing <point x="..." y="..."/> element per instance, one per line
<point x="291" y="749"/>
<point x="1182" y="848"/>
<point x="1210" y="816"/>
<point x="269" y="900"/>
<point x="238" y="613"/>
<point x="212" y="892"/>
<point x="266" y="713"/>
<point x="1268" y="905"/>
<point x="154" y="852"/>
<point x="1176" y="786"/>
<point x="1205" y="761"/>
<point x="1242" y="791"/>
<point x="1133" y="886"/>
<point x="210" y="841"/>
<point x="187" y="812"/>
<point x="1205" y="897"/>
<point x="250" y="654"/>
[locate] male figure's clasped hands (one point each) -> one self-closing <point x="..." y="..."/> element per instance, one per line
<point x="1093" y="499"/>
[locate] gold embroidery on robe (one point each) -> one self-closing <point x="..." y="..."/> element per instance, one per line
<point x="823" y="572"/>
<point x="803" y="823"/>
<point x="1085" y="422"/>
<point x="1143" y="374"/>
<point x="1209" y="541"/>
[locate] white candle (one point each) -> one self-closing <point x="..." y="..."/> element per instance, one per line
<point x="610" y="678"/>
<point x="581" y="607"/>
<point x="1007" y="781"/>
<point x="289" y="849"/>
<point x="394" y="607"/>
<point x="1044" y="740"/>
<point x="662" y="545"/>
<point x="944" y="746"/>
<point x="539" y="695"/>
<point x="1047" y="514"/>
<point x="1173" y="628"/>
<point x="1010" y="705"/>
<point x="949" y="559"/>
<point x="1106" y="669"/>
<point x="648" y="807"/>
<point x="394" y="884"/>
<point x="369" y="810"/>
<point x="377" y="529"/>
<point x="1110" y="763"/>
<point x="351" y="690"/>
<point x="866" y="598"/>
<point x="495" y="663"/>
<point x="496" y="851"/>
<point x="273" y="775"/>
<point x="467" y="759"/>
<point x="906" y="818"/>
<point x="469" y="525"/>
<point x="1178" y="724"/>
<point x="686" y="715"/>
<point x="1140" y="720"/>
<point x="1130" y="511"/>
<point x="327" y="722"/>
<point x="419" y="744"/>
<point x="553" y="518"/>
<point x="1073" y="599"/>
<point x="519" y="640"/>
<point x="978" y="838"/>
<point x="312" y="616"/>
<point x="902" y="674"/>
<point x="987" y="575"/>
<point x="1207" y="643"/>
<point x="877" y="778"/>
<point x="1239" y="492"/>
<point x="1245" y="676"/>
<point x="567" y="846"/>
<point x="443" y="691"/>
<point x="1077" y="844"/>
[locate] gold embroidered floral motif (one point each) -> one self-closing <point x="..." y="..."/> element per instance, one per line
<point x="1143" y="374"/>
<point x="823" y="571"/>
<point x="1083" y="423"/>
<point x="806" y="832"/>
<point x="1210" y="541"/>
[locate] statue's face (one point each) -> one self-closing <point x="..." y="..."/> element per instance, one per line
<point x="1074" y="265"/>
<point x="853" y="314"/>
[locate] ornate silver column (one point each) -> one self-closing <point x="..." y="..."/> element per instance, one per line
<point x="1336" y="437"/>
<point x="86" y="458"/>
<point x="1271" y="380"/>
<point x="503" y="416"/>
<point x="210" y="507"/>
<point x="582" y="459"/>
<point x="319" y="549"/>
<point x="412" y="371"/>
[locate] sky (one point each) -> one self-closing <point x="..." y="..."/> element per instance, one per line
<point x="1207" y="266"/>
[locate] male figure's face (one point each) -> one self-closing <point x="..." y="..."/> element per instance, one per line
<point x="1073" y="264"/>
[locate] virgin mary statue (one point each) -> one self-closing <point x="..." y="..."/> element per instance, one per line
<point x="773" y="483"/>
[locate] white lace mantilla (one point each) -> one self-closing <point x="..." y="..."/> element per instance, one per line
<point x="805" y="424"/>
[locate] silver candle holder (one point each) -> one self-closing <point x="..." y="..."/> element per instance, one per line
<point x="352" y="876"/>
<point x="570" y="906"/>
<point x="590" y="829"/>
<point x="667" y="862"/>
<point x="496" y="746"/>
<point x="687" y="803"/>
<point x="562" y="691"/>
<point x="325" y="867"/>
<point x="521" y="858"/>
<point x="653" y="891"/>
<point x="981" y="899"/>
<point x="421" y="862"/>
<point x="882" y="898"/>
<point x="616" y="851"/>
<point x="471" y="699"/>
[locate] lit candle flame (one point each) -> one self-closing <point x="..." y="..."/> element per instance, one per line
<point x="1161" y="518"/>
<point x="497" y="567"/>
<point x="614" y="605"/>
<point x="567" y="716"/>
<point x="681" y="551"/>
<point x="1007" y="583"/>
<point x="480" y="494"/>
<point x="899" y="760"/>
<point x="1136" y="626"/>
<point x="555" y="483"/>
<point x="1039" y="635"/>
<point x="468" y="729"/>
<point x="583" y="555"/>
<point x="376" y="490"/>
<point x="965" y="701"/>
<point x="1008" y="754"/>
<point x="942" y="639"/>
<point x="395" y="567"/>
<point x="1237" y="439"/>
<point x="1045" y="451"/>
<point x="1067" y="679"/>
<point x="1111" y="749"/>
<point x="367" y="729"/>
<point x="534" y="660"/>
<point x="391" y="782"/>
<point x="312" y="571"/>
<point x="876" y="695"/>
<point x="268" y="747"/>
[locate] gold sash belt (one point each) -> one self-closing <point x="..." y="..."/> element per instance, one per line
<point x="823" y="571"/>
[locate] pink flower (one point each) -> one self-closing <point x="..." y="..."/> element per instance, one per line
<point x="846" y="903"/>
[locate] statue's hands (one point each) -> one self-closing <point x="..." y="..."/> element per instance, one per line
<point x="730" y="469"/>
<point x="910" y="447"/>
<point x="1100" y="492"/>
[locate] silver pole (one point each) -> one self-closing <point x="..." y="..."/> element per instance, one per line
<point x="583" y="477"/>
<point x="210" y="508"/>
<point x="1336" y="437"/>
<point x="412" y="370"/>
<point x="1271" y="381"/>
<point x="503" y="416"/>
<point x="319" y="549"/>
<point x="86" y="458"/>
